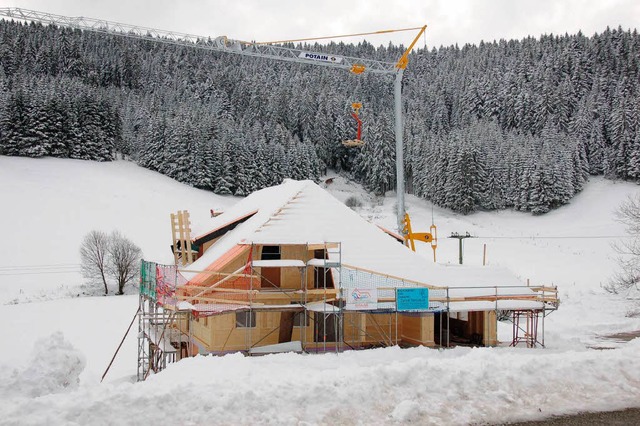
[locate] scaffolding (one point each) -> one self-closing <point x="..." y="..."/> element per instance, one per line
<point x="350" y="307"/>
<point x="329" y="314"/>
<point x="326" y="312"/>
<point x="526" y="322"/>
<point x="160" y="339"/>
<point x="525" y="328"/>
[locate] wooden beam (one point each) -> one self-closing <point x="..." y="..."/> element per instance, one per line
<point x="223" y="274"/>
<point x="321" y="246"/>
<point x="223" y="290"/>
<point x="183" y="251"/>
<point x="174" y="236"/>
<point x="187" y="236"/>
<point x="219" y="300"/>
<point x="321" y="291"/>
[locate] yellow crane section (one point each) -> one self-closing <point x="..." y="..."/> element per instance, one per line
<point x="428" y="237"/>
<point x="404" y="59"/>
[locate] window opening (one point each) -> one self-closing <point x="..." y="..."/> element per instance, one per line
<point x="270" y="275"/>
<point x="299" y="319"/>
<point x="245" y="320"/>
<point x="270" y="253"/>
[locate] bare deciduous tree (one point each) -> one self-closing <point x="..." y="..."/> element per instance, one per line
<point x="124" y="260"/>
<point x="93" y="255"/>
<point x="628" y="250"/>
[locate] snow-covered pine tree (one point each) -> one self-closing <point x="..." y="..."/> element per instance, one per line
<point x="16" y="121"/>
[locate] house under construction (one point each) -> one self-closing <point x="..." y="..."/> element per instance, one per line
<point x="291" y="268"/>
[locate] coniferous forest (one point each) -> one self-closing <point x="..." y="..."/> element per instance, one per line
<point x="508" y="124"/>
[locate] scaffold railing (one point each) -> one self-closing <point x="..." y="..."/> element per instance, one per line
<point x="165" y="294"/>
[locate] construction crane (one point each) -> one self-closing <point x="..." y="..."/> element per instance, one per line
<point x="262" y="50"/>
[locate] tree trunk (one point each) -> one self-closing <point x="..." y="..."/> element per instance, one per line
<point x="121" y="283"/>
<point x="104" y="281"/>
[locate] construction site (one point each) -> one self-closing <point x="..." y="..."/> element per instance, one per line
<point x="260" y="281"/>
<point x="291" y="269"/>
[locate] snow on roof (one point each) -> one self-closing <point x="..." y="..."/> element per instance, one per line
<point x="321" y="307"/>
<point x="495" y="305"/>
<point x="301" y="212"/>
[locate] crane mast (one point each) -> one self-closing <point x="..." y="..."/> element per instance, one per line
<point x="226" y="45"/>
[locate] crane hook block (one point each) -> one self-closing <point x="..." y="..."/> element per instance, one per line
<point x="350" y="143"/>
<point x="358" y="140"/>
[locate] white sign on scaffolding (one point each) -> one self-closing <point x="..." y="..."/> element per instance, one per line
<point x="362" y="299"/>
<point x="321" y="57"/>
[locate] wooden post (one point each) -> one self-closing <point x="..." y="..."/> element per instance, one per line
<point x="187" y="236"/>
<point x="174" y="236"/>
<point x="181" y="234"/>
<point x="120" y="345"/>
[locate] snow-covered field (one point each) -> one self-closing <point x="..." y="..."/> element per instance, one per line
<point x="56" y="345"/>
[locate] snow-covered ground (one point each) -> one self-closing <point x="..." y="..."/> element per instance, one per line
<point x="56" y="345"/>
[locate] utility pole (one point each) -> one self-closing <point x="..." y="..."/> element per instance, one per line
<point x="460" y="237"/>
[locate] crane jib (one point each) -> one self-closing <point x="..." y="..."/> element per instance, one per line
<point x="320" y="57"/>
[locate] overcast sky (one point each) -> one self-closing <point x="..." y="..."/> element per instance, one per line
<point x="449" y="21"/>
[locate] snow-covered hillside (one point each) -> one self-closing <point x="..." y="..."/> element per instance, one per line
<point x="50" y="204"/>
<point x="50" y="378"/>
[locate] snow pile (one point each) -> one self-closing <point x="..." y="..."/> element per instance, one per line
<point x="93" y="325"/>
<point x="382" y="386"/>
<point x="428" y="386"/>
<point x="54" y="367"/>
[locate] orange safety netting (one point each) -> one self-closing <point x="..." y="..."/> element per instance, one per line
<point x="208" y="286"/>
<point x="209" y="292"/>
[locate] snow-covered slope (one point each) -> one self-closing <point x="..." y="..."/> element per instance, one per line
<point x="48" y="205"/>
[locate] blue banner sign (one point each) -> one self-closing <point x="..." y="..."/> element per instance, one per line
<point x="412" y="299"/>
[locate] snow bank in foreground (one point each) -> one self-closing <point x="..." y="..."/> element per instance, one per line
<point x="55" y="366"/>
<point x="383" y="386"/>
